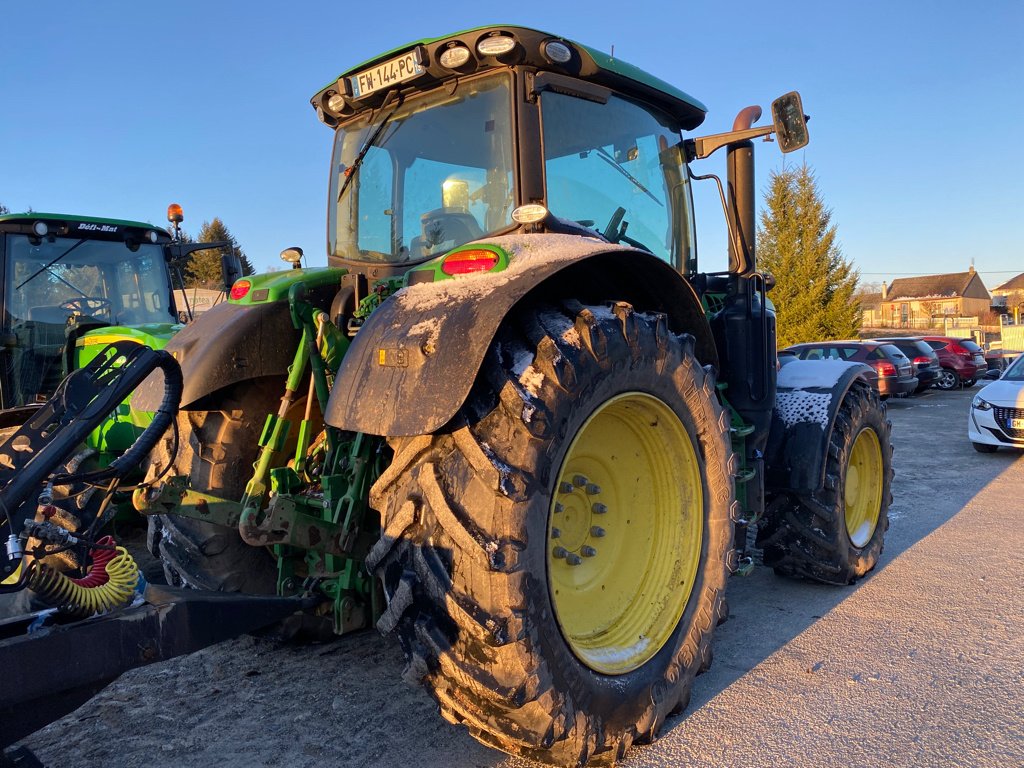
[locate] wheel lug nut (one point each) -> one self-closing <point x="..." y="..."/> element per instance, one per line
<point x="597" y="531"/>
<point x="587" y="551"/>
<point x="573" y="559"/>
<point x="599" y="508"/>
<point x="593" y="489"/>
<point x="564" y="487"/>
<point x="579" y="481"/>
<point x="555" y="533"/>
<point x="559" y="552"/>
<point x="559" y="508"/>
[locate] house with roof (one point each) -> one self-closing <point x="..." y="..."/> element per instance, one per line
<point x="1010" y="294"/>
<point x="918" y="301"/>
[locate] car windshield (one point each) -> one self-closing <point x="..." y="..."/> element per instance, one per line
<point x="49" y="280"/>
<point x="1016" y="370"/>
<point x="413" y="179"/>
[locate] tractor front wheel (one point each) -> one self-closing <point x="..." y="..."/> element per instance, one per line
<point x="835" y="535"/>
<point x="554" y="563"/>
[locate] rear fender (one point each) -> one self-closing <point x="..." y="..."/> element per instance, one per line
<point x="412" y="365"/>
<point x="227" y="344"/>
<point x="808" y="398"/>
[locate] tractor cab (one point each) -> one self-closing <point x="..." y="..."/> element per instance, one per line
<point x="65" y="276"/>
<point x="494" y="130"/>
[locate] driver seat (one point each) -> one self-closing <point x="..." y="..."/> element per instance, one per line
<point x="446" y="227"/>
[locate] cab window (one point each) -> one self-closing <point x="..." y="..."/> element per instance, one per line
<point x="614" y="167"/>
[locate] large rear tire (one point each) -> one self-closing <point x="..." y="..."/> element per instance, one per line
<point x="835" y="535"/>
<point x="554" y="563"/>
<point x="217" y="449"/>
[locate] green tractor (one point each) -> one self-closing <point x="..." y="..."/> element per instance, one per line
<point x="71" y="286"/>
<point x="512" y="422"/>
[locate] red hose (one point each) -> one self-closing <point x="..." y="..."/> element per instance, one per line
<point x="97" y="575"/>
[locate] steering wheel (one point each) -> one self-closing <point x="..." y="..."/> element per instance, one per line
<point x="612" y="232"/>
<point x="87" y="305"/>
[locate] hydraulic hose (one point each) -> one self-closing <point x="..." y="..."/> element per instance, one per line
<point x="162" y="419"/>
<point x="109" y="583"/>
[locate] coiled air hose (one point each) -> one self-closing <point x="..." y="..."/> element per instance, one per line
<point x="109" y="583"/>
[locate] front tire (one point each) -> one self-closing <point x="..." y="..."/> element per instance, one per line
<point x="835" y="534"/>
<point x="601" y="424"/>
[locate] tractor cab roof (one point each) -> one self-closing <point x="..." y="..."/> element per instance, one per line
<point x="65" y="225"/>
<point x="426" y="63"/>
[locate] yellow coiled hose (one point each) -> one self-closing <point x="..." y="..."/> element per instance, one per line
<point x="109" y="584"/>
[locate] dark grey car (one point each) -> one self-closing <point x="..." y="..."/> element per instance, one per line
<point x="893" y="371"/>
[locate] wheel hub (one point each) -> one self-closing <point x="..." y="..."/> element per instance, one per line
<point x="625" y="527"/>
<point x="862" y="491"/>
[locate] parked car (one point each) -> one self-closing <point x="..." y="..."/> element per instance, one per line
<point x="998" y="360"/>
<point x="925" y="359"/>
<point x="997" y="412"/>
<point x="962" y="361"/>
<point x="893" y="371"/>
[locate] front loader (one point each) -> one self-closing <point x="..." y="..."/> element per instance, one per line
<point x="511" y="421"/>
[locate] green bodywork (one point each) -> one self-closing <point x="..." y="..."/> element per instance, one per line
<point x="274" y="286"/>
<point x="116" y="435"/>
<point x="30" y="217"/>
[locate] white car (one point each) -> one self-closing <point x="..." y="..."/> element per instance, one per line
<point x="997" y="412"/>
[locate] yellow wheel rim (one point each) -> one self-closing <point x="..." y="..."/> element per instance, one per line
<point x="625" y="529"/>
<point x="863" y="489"/>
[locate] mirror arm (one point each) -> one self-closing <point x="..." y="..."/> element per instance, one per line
<point x="705" y="146"/>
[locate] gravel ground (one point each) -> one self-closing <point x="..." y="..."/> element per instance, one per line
<point x="921" y="664"/>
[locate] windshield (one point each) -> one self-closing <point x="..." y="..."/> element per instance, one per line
<point x="48" y="281"/>
<point x="1016" y="370"/>
<point x="437" y="175"/>
<point x="615" y="167"/>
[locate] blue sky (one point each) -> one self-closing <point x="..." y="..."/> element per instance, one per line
<point x="118" y="108"/>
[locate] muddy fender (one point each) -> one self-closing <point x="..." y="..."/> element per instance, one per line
<point x="808" y="398"/>
<point x="226" y="344"/>
<point x="412" y="365"/>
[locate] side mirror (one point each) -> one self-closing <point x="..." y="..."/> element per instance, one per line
<point x="790" y="122"/>
<point x="992" y="374"/>
<point x="230" y="267"/>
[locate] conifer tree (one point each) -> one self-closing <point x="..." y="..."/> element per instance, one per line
<point x="796" y="242"/>
<point x="4" y="209"/>
<point x="203" y="270"/>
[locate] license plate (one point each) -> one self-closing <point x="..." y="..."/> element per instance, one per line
<point x="391" y="72"/>
<point x="1015" y="423"/>
<point x="979" y="359"/>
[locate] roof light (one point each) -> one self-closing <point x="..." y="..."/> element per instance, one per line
<point x="40" y="228"/>
<point x="175" y="214"/>
<point x="529" y="213"/>
<point x="471" y="260"/>
<point x="495" y="45"/>
<point x="240" y="289"/>
<point x="292" y="255"/>
<point x="336" y="103"/>
<point x="454" y="57"/>
<point x="151" y="236"/>
<point x="558" y="52"/>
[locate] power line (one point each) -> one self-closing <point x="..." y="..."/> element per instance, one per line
<point x="925" y="274"/>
